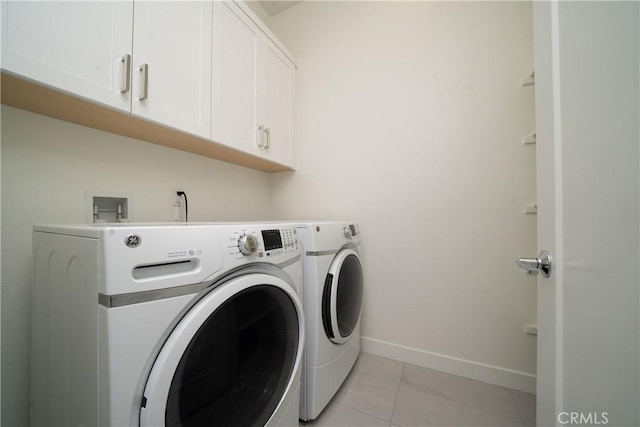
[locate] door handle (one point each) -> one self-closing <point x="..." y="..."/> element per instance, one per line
<point x="144" y="81"/>
<point x="541" y="264"/>
<point x="125" y="60"/>
<point x="260" y="136"/>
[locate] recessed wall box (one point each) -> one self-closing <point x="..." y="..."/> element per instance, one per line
<point x="107" y="207"/>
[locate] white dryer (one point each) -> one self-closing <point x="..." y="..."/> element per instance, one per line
<point x="333" y="296"/>
<point x="166" y="325"/>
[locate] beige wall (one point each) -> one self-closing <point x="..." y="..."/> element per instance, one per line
<point x="410" y="118"/>
<point x="257" y="8"/>
<point x="46" y="167"/>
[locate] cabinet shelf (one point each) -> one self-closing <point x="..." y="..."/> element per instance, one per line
<point x="30" y="96"/>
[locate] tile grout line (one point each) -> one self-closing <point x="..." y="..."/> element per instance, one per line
<point x="469" y="405"/>
<point x="513" y="399"/>
<point x="395" y="400"/>
<point x="472" y="405"/>
<point x="368" y="413"/>
<point x="356" y="373"/>
<point x="514" y="417"/>
<point x="362" y="412"/>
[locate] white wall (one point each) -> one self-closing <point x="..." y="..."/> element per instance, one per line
<point x="257" y="8"/>
<point x="410" y="119"/>
<point x="48" y="164"/>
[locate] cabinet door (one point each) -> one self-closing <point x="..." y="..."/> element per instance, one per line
<point x="277" y="101"/>
<point x="235" y="78"/>
<point x="172" y="64"/>
<point x="73" y="46"/>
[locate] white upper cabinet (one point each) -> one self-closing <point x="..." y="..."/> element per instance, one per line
<point x="172" y="64"/>
<point x="205" y="68"/>
<point x="236" y="42"/>
<point x="277" y="107"/>
<point x="253" y="83"/>
<point x="77" y="47"/>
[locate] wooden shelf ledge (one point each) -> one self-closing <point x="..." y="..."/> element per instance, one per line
<point x="30" y="96"/>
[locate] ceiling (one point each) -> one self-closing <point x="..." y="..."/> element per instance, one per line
<point x="275" y="7"/>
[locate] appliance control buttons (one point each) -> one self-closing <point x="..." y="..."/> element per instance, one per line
<point x="289" y="239"/>
<point x="247" y="244"/>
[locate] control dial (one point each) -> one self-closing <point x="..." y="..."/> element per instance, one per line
<point x="248" y="244"/>
<point x="347" y="231"/>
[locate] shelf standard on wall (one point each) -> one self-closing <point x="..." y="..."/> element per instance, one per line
<point x="531" y="208"/>
<point x="529" y="139"/>
<point x="529" y="80"/>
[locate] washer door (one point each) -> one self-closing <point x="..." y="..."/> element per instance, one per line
<point x="231" y="358"/>
<point x="342" y="296"/>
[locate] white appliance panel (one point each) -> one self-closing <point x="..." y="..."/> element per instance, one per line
<point x="327" y="363"/>
<point x="91" y="360"/>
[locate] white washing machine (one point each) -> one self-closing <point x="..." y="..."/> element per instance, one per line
<point x="166" y="325"/>
<point x="333" y="295"/>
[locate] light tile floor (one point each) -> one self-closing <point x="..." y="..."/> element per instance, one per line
<point x="385" y="392"/>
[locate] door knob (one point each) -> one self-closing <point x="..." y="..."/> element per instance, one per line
<point x="542" y="264"/>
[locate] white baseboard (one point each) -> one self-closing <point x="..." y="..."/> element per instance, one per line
<point x="451" y="365"/>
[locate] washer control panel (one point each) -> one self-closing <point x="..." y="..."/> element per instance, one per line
<point x="279" y="241"/>
<point x="262" y="242"/>
<point x="247" y="244"/>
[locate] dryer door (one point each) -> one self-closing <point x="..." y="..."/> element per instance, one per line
<point x="342" y="296"/>
<point x="230" y="360"/>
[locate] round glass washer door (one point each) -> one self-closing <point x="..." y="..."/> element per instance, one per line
<point x="342" y="296"/>
<point x="230" y="360"/>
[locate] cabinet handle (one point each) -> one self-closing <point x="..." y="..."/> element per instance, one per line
<point x="144" y="86"/>
<point x="125" y="84"/>
<point x="268" y="144"/>
<point x="260" y="136"/>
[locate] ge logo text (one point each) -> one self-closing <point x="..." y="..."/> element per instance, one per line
<point x="133" y="240"/>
